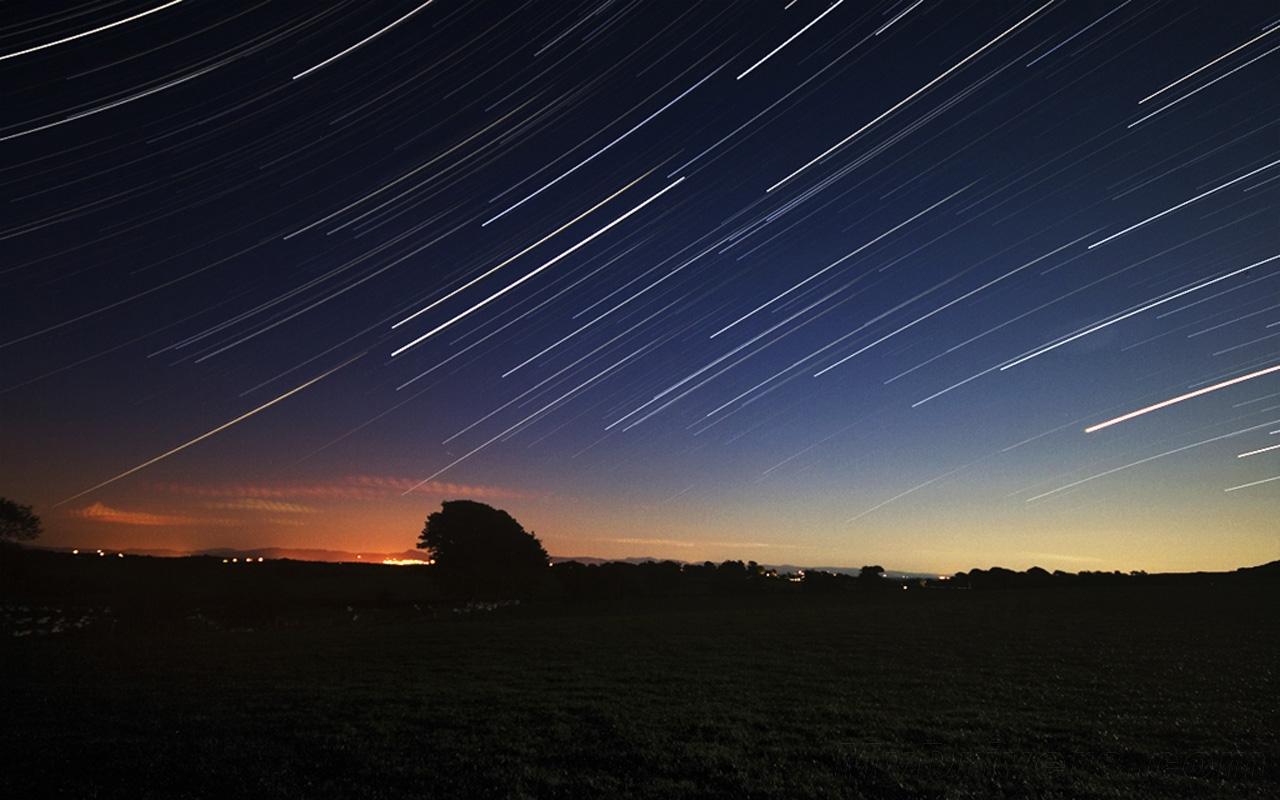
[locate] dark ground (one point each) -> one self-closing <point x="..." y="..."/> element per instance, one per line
<point x="1076" y="692"/>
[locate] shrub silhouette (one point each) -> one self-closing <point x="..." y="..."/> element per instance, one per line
<point x="17" y="522"/>
<point x="481" y="551"/>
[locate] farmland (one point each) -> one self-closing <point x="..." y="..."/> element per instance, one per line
<point x="1079" y="692"/>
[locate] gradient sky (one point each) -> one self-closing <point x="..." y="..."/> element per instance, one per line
<point x="800" y="282"/>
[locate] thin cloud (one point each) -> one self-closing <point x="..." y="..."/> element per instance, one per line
<point x="260" y="504"/>
<point x="350" y="487"/>
<point x="1060" y="557"/>
<point x="687" y="543"/>
<point x="100" y="512"/>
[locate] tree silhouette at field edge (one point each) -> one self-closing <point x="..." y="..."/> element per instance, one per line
<point x="17" y="522"/>
<point x="481" y="551"/>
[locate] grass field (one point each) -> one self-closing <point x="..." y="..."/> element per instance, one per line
<point x="1105" y="692"/>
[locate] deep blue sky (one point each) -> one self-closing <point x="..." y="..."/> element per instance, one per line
<point x="213" y="204"/>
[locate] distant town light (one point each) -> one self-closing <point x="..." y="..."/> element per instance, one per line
<point x="75" y="552"/>
<point x="259" y="559"/>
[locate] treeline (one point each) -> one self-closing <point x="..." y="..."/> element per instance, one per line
<point x="1001" y="578"/>
<point x="658" y="578"/>
<point x="175" y="586"/>
<point x="574" y="581"/>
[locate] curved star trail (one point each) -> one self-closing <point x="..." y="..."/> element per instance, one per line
<point x="846" y="281"/>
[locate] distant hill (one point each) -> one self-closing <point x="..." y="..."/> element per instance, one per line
<point x="854" y="571"/>
<point x="1271" y="569"/>
<point x="780" y="568"/>
<point x="294" y="553"/>
<point x="597" y="561"/>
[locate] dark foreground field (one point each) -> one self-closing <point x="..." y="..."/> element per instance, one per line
<point x="1097" y="692"/>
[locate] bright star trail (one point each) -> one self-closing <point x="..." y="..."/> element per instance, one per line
<point x="89" y="32"/>
<point x="845" y="281"/>
<point x="1182" y="397"/>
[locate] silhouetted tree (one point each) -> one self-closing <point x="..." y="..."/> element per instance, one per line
<point x="1002" y="577"/>
<point x="661" y="577"/>
<point x="732" y="571"/>
<point x="17" y="522"/>
<point x="1038" y="576"/>
<point x="705" y="571"/>
<point x="822" y="582"/>
<point x="873" y="572"/>
<point x="479" y="550"/>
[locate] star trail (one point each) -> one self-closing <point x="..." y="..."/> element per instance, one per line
<point x="924" y="283"/>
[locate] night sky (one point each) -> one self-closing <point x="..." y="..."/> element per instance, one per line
<point x="799" y="282"/>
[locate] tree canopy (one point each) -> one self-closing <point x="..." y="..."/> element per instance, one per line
<point x="480" y="550"/>
<point x="17" y="522"/>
